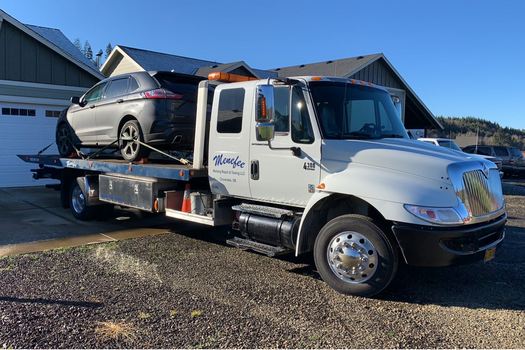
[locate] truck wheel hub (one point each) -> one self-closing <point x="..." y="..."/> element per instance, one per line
<point x="352" y="257"/>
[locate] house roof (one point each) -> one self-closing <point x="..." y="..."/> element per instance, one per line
<point x="340" y="68"/>
<point x="152" y="60"/>
<point x="56" y="41"/>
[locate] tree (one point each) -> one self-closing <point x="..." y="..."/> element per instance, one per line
<point x="88" y="52"/>
<point x="77" y="44"/>
<point x="109" y="48"/>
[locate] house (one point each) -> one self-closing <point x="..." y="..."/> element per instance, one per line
<point x="378" y="70"/>
<point x="40" y="69"/>
<point x="372" y="68"/>
<point x="125" y="59"/>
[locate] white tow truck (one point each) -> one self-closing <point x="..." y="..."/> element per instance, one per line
<point x="308" y="164"/>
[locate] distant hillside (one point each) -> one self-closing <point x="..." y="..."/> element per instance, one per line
<point x="489" y="132"/>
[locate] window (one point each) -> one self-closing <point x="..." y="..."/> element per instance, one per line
<point x="19" y="112"/>
<point x="95" y="93"/>
<point x="186" y="104"/>
<point x="501" y="151"/>
<point x="231" y="104"/>
<point x="133" y="85"/>
<point x="52" y="114"/>
<point x="486" y="151"/>
<point x="348" y="111"/>
<point x="301" y="127"/>
<point x="282" y="108"/>
<point x="117" y="87"/>
<point x="516" y="153"/>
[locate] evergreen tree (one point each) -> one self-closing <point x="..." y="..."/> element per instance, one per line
<point x="88" y="52"/>
<point x="77" y="44"/>
<point x="109" y="48"/>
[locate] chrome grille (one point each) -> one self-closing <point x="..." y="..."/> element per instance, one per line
<point x="482" y="194"/>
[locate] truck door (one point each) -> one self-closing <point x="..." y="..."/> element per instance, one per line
<point x="228" y="156"/>
<point x="277" y="175"/>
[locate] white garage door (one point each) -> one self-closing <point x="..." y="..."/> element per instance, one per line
<point x="24" y="129"/>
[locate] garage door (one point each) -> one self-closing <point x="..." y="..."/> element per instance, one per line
<point x="24" y="129"/>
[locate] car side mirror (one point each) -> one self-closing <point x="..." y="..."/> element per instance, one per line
<point x="75" y="100"/>
<point x="265" y="126"/>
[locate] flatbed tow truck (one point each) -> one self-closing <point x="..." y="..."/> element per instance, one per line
<point x="307" y="164"/>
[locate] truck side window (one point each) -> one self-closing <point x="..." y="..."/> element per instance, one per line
<point x="229" y="118"/>
<point x="282" y="108"/>
<point x="301" y="127"/>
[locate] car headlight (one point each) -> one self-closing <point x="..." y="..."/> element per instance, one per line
<point x="441" y="216"/>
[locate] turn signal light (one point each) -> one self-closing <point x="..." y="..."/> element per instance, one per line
<point x="321" y="186"/>
<point x="229" y="77"/>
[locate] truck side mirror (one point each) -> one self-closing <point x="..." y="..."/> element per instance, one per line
<point x="265" y="127"/>
<point x="75" y="100"/>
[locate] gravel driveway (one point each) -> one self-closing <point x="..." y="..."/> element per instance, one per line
<point x="187" y="289"/>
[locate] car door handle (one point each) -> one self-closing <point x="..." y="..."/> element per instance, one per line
<point x="120" y="100"/>
<point x="92" y="106"/>
<point x="254" y="169"/>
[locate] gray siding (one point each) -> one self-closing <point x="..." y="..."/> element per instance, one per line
<point x="378" y="73"/>
<point x="23" y="58"/>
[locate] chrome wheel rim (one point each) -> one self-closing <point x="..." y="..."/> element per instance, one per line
<point x="129" y="136"/>
<point x="63" y="140"/>
<point x="78" y="200"/>
<point x="352" y="257"/>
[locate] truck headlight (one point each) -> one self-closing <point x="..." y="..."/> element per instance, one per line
<point x="441" y="216"/>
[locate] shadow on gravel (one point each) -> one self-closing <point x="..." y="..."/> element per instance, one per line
<point x="86" y="304"/>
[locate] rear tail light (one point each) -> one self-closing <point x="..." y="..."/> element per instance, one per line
<point x="161" y="94"/>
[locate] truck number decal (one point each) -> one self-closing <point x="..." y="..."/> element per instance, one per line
<point x="309" y="166"/>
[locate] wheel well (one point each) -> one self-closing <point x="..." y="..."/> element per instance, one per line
<point x="331" y="207"/>
<point x="123" y="121"/>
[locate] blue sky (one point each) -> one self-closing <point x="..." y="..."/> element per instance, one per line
<point x="463" y="58"/>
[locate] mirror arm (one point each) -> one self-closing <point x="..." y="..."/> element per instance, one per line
<point x="295" y="150"/>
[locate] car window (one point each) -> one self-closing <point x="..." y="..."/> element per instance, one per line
<point x="186" y="88"/>
<point x="231" y="105"/>
<point x="486" y="151"/>
<point x="117" y="87"/>
<point x="133" y="85"/>
<point x="301" y="127"/>
<point x="95" y="93"/>
<point x="282" y="108"/>
<point x="516" y="152"/>
<point x="469" y="149"/>
<point x="501" y="151"/>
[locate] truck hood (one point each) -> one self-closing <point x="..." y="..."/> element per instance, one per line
<point x="398" y="155"/>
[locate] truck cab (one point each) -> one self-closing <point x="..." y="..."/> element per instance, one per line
<point x="334" y="153"/>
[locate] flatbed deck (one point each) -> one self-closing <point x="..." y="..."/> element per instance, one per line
<point x="171" y="171"/>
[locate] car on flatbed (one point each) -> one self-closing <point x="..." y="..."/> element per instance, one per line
<point x="317" y="165"/>
<point x="155" y="108"/>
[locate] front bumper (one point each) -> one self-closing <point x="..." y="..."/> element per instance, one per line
<point x="444" y="246"/>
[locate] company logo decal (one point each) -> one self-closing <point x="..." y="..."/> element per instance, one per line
<point x="235" y="162"/>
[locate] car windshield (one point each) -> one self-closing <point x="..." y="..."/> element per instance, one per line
<point x="449" y="144"/>
<point x="350" y="111"/>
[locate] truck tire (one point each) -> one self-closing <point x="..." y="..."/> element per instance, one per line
<point x="132" y="150"/>
<point x="354" y="256"/>
<point x="78" y="204"/>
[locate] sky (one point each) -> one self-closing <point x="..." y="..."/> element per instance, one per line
<point x="461" y="57"/>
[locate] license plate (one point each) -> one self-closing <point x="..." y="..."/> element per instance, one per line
<point x="489" y="254"/>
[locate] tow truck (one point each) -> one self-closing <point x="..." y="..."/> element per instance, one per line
<point x="319" y="165"/>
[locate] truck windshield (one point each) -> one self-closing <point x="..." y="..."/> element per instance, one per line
<point x="449" y="144"/>
<point x="349" y="111"/>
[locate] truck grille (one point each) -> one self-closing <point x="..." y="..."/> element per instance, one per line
<point x="482" y="194"/>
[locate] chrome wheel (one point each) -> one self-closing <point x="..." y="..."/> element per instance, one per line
<point x="352" y="257"/>
<point x="63" y="140"/>
<point x="78" y="200"/>
<point x="129" y="136"/>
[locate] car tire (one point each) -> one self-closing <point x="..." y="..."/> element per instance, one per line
<point x="64" y="140"/>
<point x="78" y="203"/>
<point x="130" y="149"/>
<point x="354" y="256"/>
